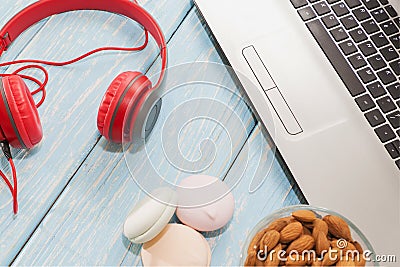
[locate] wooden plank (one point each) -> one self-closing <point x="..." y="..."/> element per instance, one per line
<point x="70" y="111"/>
<point x="85" y="225"/>
<point x="8" y="9"/>
<point x="252" y="203"/>
<point x="275" y="192"/>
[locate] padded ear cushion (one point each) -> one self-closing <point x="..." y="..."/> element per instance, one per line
<point x="20" y="119"/>
<point x="119" y="82"/>
<point x="126" y="89"/>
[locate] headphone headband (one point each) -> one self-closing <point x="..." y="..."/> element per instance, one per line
<point x="45" y="8"/>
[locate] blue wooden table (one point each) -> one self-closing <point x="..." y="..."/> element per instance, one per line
<point x="75" y="188"/>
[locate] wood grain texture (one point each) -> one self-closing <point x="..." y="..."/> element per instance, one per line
<point x="85" y="225"/>
<point x="276" y="191"/>
<point x="252" y="204"/>
<point x="87" y="179"/>
<point x="8" y="9"/>
<point x="69" y="113"/>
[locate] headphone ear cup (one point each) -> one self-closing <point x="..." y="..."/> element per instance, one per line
<point x="121" y="99"/>
<point x="140" y="125"/>
<point x="19" y="118"/>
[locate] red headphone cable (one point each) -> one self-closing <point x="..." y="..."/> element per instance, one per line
<point x="13" y="189"/>
<point x="42" y="85"/>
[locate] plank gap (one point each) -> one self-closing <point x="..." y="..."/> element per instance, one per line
<point x="92" y="148"/>
<point x="54" y="202"/>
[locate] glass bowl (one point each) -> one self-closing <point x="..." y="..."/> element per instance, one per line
<point x="357" y="235"/>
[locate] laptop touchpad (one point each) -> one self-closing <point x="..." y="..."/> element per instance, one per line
<point x="273" y="93"/>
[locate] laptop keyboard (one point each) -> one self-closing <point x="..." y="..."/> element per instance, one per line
<point x="361" y="39"/>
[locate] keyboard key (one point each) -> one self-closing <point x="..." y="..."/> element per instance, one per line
<point x="376" y="89"/>
<point x="361" y="14"/>
<point x="389" y="53"/>
<point x="357" y="61"/>
<point x="394" y="153"/>
<point x="370" y="4"/>
<point x="395" y="39"/>
<point x="375" y="117"/>
<point x="385" y="133"/>
<point x="394" y="90"/>
<point x="379" y="39"/>
<point x="387" y="76"/>
<point x="365" y="102"/>
<point x="367" y="75"/>
<point x="349" y="22"/>
<point x="370" y="26"/>
<point x="334" y="55"/>
<point x="392" y="12"/>
<point x="313" y="1"/>
<point x="394" y="119"/>
<point x="330" y="21"/>
<point x="380" y="15"/>
<point x="377" y="62"/>
<point x="332" y="1"/>
<point x="396" y="144"/>
<point x="348" y="47"/>
<point x="384" y="2"/>
<point x="306" y="13"/>
<point x="398" y="164"/>
<point x="367" y="48"/>
<point x="321" y="8"/>
<point x="386" y="104"/>
<point x="339" y="34"/>
<point x="298" y="3"/>
<point x="397" y="21"/>
<point x="389" y="28"/>
<point x="395" y="65"/>
<point x="353" y="3"/>
<point x="358" y="35"/>
<point x="340" y="9"/>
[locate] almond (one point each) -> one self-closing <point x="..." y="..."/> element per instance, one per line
<point x="310" y="260"/>
<point x="350" y="247"/>
<point x="295" y="260"/>
<point x="330" y="258"/>
<point x="251" y="259"/>
<point x="259" y="263"/>
<point x="306" y="231"/>
<point x="309" y="225"/>
<point x="316" y="263"/>
<point x="319" y="226"/>
<point x="338" y="227"/>
<point x="291" y="232"/>
<point x="304" y="215"/>
<point x="321" y="243"/>
<point x="359" y="260"/>
<point x="279" y="224"/>
<point x="273" y="259"/>
<point x="345" y="263"/>
<point x="255" y="242"/>
<point x="305" y="242"/>
<point x="269" y="240"/>
<point x="343" y="245"/>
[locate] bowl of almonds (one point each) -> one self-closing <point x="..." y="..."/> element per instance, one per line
<point x="304" y="235"/>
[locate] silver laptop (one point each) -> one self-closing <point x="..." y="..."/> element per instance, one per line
<point x="330" y="71"/>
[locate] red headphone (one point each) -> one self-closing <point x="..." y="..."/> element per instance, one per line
<point x="130" y="92"/>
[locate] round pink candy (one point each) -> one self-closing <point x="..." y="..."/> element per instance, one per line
<point x="211" y="215"/>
